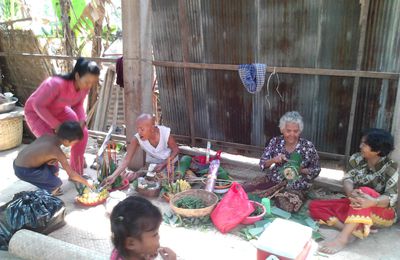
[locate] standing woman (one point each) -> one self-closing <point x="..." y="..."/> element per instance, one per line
<point x="60" y="98"/>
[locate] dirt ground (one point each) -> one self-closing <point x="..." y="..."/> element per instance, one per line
<point x="89" y="227"/>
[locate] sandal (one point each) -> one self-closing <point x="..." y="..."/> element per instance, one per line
<point x="57" y="192"/>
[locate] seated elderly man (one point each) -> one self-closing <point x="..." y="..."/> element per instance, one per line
<point x="287" y="151"/>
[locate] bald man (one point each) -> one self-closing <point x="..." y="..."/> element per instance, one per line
<point x="155" y="140"/>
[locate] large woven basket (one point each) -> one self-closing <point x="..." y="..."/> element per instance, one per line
<point x="209" y="200"/>
<point x="10" y="133"/>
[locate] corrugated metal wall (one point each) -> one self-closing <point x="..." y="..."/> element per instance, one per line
<point x="302" y="33"/>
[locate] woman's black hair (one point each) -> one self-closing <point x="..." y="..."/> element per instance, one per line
<point x="82" y="67"/>
<point x="70" y="130"/>
<point x="379" y="140"/>
<point x="131" y="218"/>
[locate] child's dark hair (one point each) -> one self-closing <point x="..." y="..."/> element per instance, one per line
<point x="379" y="140"/>
<point x="70" y="130"/>
<point x="131" y="218"/>
<point x="82" y="67"/>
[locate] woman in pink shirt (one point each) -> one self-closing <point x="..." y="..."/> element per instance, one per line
<point x="60" y="98"/>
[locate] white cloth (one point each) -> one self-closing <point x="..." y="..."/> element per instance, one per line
<point x="160" y="153"/>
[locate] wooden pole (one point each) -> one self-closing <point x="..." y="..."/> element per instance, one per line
<point x="233" y="67"/>
<point x="184" y="27"/>
<point x="138" y="71"/>
<point x="286" y="70"/>
<point x="361" y="45"/>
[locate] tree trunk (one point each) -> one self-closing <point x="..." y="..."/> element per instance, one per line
<point x="69" y="37"/>
<point x="96" y="52"/>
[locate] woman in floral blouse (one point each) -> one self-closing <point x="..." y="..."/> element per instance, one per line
<point x="276" y="154"/>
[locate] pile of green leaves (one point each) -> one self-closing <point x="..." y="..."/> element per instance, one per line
<point x="258" y="210"/>
<point x="190" y="202"/>
<point x="203" y="223"/>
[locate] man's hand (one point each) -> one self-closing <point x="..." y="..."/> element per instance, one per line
<point x="109" y="180"/>
<point x="160" y="167"/>
<point x="130" y="175"/>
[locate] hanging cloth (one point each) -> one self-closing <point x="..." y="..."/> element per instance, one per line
<point x="252" y="76"/>
<point x="120" y="71"/>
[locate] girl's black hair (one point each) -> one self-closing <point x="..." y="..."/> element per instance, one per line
<point x="379" y="140"/>
<point x="131" y="218"/>
<point x="70" y="130"/>
<point x="82" y="67"/>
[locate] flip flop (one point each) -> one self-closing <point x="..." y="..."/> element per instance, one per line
<point x="57" y="192"/>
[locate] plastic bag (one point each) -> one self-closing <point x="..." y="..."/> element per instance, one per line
<point x="38" y="211"/>
<point x="5" y="236"/>
<point x="232" y="209"/>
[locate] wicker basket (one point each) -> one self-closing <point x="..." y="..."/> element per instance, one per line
<point x="10" y="133"/>
<point x="209" y="199"/>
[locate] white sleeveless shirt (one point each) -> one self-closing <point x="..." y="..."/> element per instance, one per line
<point x="160" y="153"/>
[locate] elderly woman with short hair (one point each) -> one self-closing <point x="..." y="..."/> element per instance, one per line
<point x="276" y="154"/>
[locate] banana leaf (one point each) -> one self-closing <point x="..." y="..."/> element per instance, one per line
<point x="291" y="169"/>
<point x="222" y="173"/>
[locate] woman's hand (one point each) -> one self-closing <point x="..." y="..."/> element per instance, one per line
<point x="82" y="123"/>
<point x="305" y="171"/>
<point x="279" y="158"/>
<point x="167" y="253"/>
<point x="360" y="200"/>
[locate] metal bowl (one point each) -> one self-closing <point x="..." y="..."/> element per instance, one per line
<point x="8" y="106"/>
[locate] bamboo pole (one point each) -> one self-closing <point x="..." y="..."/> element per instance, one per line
<point x="363" y="33"/>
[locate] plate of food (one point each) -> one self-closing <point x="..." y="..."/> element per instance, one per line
<point x="92" y="198"/>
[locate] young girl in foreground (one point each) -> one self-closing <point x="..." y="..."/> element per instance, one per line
<point x="135" y="222"/>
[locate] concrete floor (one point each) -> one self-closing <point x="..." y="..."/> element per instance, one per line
<point x="89" y="227"/>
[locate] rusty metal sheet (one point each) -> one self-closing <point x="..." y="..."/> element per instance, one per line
<point x="303" y="33"/>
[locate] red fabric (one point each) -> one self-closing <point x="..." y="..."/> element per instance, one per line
<point x="201" y="159"/>
<point x="328" y="210"/>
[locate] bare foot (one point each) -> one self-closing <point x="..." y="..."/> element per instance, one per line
<point x="332" y="247"/>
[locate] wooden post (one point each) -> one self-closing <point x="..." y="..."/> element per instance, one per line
<point x="396" y="127"/>
<point x="138" y="70"/>
<point x="184" y="27"/>
<point x="361" y="45"/>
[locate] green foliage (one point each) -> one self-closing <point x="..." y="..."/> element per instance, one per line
<point x="10" y="9"/>
<point x="190" y="202"/>
<point x="203" y="223"/>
